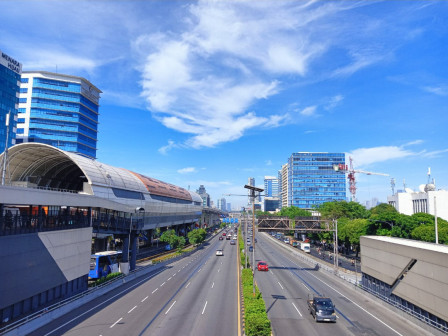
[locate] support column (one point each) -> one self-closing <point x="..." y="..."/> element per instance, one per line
<point x="133" y="260"/>
<point x="124" y="265"/>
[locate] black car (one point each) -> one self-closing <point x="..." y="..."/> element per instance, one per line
<point x="221" y="238"/>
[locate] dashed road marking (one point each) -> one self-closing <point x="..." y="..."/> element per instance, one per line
<point x="113" y="325"/>
<point x="170" y="307"/>
<point x="144" y="299"/>
<point x="132" y="310"/>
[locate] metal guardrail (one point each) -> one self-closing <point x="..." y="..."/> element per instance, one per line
<point x="416" y="315"/>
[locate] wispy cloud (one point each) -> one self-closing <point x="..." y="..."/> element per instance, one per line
<point x="333" y="102"/>
<point x="204" y="79"/>
<point x="309" y="111"/>
<point x="441" y="90"/>
<point x="164" y="150"/>
<point x="187" y="170"/>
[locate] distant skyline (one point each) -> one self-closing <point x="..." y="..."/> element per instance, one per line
<point x="214" y="92"/>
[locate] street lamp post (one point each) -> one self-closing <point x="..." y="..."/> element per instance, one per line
<point x="252" y="195"/>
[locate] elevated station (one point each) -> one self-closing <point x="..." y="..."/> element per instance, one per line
<point x="54" y="203"/>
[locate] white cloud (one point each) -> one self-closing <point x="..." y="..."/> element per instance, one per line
<point x="438" y="90"/>
<point x="171" y="144"/>
<point x="268" y="163"/>
<point x="203" y="78"/>
<point x="309" y="111"/>
<point x="187" y="170"/>
<point x="334" y="101"/>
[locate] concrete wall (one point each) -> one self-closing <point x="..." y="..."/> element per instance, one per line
<point x="33" y="263"/>
<point x="425" y="284"/>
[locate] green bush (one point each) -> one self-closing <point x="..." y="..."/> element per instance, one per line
<point x="257" y="322"/>
<point x="109" y="277"/>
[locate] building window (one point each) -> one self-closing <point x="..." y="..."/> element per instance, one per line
<point x="24" y="80"/>
<point x="20" y="131"/>
<point x="22" y="100"/>
<point x="23" y="90"/>
<point x="22" y="110"/>
<point x="21" y="120"/>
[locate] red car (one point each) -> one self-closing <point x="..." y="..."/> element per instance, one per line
<point x="262" y="266"/>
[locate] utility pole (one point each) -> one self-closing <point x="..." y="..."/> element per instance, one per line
<point x="5" y="154"/>
<point x="252" y="195"/>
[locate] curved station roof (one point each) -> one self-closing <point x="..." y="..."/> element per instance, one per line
<point x="41" y="165"/>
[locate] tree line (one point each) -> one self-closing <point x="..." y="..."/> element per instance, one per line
<point x="354" y="221"/>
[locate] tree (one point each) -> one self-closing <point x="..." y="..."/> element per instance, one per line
<point x="170" y="237"/>
<point x="342" y="209"/>
<point x="352" y="230"/>
<point x="293" y="212"/>
<point x="197" y="236"/>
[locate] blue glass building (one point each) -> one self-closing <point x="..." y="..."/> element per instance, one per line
<point x="10" y="71"/>
<point x="59" y="110"/>
<point x="270" y="186"/>
<point x="313" y="181"/>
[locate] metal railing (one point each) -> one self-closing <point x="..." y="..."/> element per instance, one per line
<point x="421" y="317"/>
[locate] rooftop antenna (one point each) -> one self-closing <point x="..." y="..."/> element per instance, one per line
<point x="429" y="175"/>
<point x="404" y="184"/>
<point x="392" y="185"/>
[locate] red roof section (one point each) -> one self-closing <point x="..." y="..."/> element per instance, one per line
<point x="160" y="188"/>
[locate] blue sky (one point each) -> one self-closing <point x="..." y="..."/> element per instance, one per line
<point x="214" y="92"/>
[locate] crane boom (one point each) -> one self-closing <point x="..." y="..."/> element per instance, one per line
<point x="351" y="175"/>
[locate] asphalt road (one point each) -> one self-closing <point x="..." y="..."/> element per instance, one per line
<point x="288" y="284"/>
<point x="196" y="295"/>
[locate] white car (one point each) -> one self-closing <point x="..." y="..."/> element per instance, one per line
<point x="219" y="253"/>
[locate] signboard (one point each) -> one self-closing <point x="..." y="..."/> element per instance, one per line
<point x="10" y="63"/>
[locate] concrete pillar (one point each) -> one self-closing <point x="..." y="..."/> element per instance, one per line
<point x="133" y="260"/>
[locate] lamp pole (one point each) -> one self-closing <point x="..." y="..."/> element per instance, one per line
<point x="252" y="195"/>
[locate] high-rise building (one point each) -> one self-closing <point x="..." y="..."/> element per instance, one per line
<point x="284" y="186"/>
<point x="205" y="197"/>
<point x="312" y="180"/>
<point x="270" y="186"/>
<point x="10" y="71"/>
<point x="222" y="204"/>
<point x="229" y="207"/>
<point x="59" y="110"/>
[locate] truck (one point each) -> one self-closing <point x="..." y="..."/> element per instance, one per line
<point x="322" y="308"/>
<point x="305" y="247"/>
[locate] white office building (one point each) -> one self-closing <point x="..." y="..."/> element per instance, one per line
<point x="427" y="200"/>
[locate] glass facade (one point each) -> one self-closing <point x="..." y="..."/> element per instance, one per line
<point x="313" y="181"/>
<point x="62" y="111"/>
<point x="10" y="71"/>
<point x="270" y="186"/>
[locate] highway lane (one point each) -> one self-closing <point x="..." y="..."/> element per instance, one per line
<point x="210" y="303"/>
<point x="143" y="307"/>
<point x="287" y="286"/>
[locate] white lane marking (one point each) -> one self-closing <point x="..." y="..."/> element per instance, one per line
<point x="221" y="262"/>
<point x="113" y="325"/>
<point x="203" y="310"/>
<point x="271" y="272"/>
<point x="144" y="299"/>
<point x="365" y="310"/>
<point x="169" y="278"/>
<point x="174" y="275"/>
<point x="179" y="270"/>
<point x="280" y="284"/>
<point x="213" y="285"/>
<point x="132" y="310"/>
<point x="102" y="303"/>
<point x="296" y="309"/>
<point x="155" y="290"/>
<point x="305" y="286"/>
<point x="219" y="270"/>
<point x="188" y="285"/>
<point x="170" y="307"/>
<point x="162" y="284"/>
<point x="199" y="270"/>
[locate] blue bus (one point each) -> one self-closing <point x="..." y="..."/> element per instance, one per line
<point x="103" y="263"/>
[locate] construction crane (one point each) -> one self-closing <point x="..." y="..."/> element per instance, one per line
<point x="351" y="175"/>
